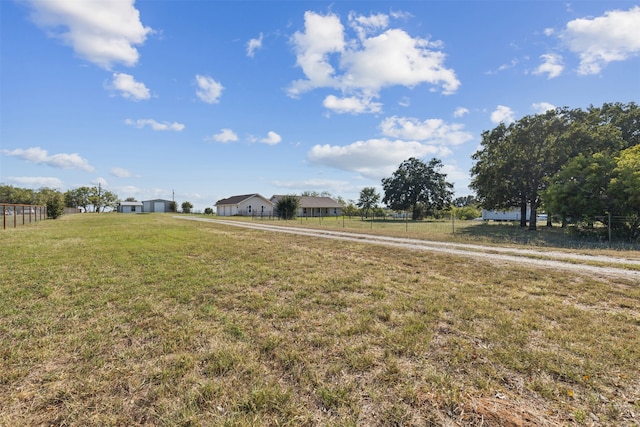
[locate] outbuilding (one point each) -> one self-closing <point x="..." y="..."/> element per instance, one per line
<point x="130" y="207"/>
<point x="156" y="205"/>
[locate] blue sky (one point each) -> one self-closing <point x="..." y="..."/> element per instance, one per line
<point x="202" y="100"/>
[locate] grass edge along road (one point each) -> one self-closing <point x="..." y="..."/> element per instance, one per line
<point x="578" y="263"/>
<point x="149" y="320"/>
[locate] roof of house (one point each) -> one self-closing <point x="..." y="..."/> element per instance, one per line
<point x="313" y="202"/>
<point x="157" y="200"/>
<point x="130" y="203"/>
<point x="234" y="200"/>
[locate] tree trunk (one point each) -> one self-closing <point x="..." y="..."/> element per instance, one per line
<point x="523" y="214"/>
<point x="534" y="216"/>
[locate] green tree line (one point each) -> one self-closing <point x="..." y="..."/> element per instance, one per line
<point x="576" y="164"/>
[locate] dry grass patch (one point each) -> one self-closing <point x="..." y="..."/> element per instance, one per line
<point x="146" y="320"/>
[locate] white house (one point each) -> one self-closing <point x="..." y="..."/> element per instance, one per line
<point x="245" y="205"/>
<point x="130" y="207"/>
<point x="315" y="206"/>
<point x="156" y="205"/>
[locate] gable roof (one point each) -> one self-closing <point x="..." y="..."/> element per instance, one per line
<point x="234" y="200"/>
<point x="312" y="202"/>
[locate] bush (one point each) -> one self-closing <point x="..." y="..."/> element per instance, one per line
<point x="287" y="206"/>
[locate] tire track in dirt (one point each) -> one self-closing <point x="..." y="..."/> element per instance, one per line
<point x="577" y="263"/>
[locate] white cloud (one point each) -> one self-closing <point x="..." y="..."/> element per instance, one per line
<point x="102" y="32"/>
<point x="40" y="156"/>
<point x="120" y="172"/>
<point x="351" y="104"/>
<point x="331" y="185"/>
<point x="100" y="181"/>
<point x="225" y="135"/>
<point x="542" y="107"/>
<point x="36" y="181"/>
<point x="460" y="111"/>
<point x="365" y="25"/>
<point x="272" y="138"/>
<point x="364" y="65"/>
<point x="209" y="90"/>
<point x="615" y="36"/>
<point x="129" y="88"/>
<point x="253" y="45"/>
<point x="323" y="35"/>
<point x="551" y="65"/>
<point x="374" y="158"/>
<point x="433" y="131"/>
<point x="140" y="123"/>
<point x="502" y="114"/>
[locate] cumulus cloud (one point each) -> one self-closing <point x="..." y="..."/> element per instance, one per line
<point x="614" y="36"/>
<point x="102" y="32"/>
<point x="140" y="123"/>
<point x="209" y="90"/>
<point x="374" y="158"/>
<point x="361" y="66"/>
<point x="551" y="65"/>
<point x="502" y="114"/>
<point x="542" y="107"/>
<point x="351" y="104"/>
<point x="120" y="172"/>
<point x="225" y="135"/>
<point x="433" y="131"/>
<point x="271" y="139"/>
<point x="460" y="111"/>
<point x="128" y="87"/>
<point x="253" y="45"/>
<point x="35" y="181"/>
<point x="40" y="156"/>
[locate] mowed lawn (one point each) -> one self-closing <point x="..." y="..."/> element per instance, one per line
<point x="111" y="319"/>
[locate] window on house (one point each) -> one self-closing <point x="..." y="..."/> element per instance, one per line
<point x="249" y="208"/>
<point x="133" y="208"/>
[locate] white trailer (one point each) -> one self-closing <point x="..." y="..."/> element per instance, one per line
<point x="510" y="215"/>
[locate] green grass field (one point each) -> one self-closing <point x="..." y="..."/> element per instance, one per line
<point x="149" y="320"/>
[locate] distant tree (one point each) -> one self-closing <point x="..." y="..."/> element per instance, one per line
<point x="102" y="199"/>
<point x="350" y="209"/>
<point x="173" y="206"/>
<point x="78" y="198"/>
<point x="418" y="187"/>
<point x="287" y="206"/>
<point x="53" y="200"/>
<point x="463" y="201"/>
<point x="313" y="193"/>
<point x="15" y="195"/>
<point x="186" y="207"/>
<point x="130" y="199"/>
<point x="208" y="211"/>
<point x="368" y="200"/>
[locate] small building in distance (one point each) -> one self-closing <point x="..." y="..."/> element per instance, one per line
<point x="156" y="205"/>
<point x="130" y="207"/>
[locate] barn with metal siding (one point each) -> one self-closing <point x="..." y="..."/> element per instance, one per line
<point x="156" y="206"/>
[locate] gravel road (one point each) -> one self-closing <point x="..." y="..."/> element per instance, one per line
<point x="592" y="265"/>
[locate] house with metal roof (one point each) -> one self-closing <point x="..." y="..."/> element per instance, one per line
<point x="245" y="205"/>
<point x="311" y="206"/>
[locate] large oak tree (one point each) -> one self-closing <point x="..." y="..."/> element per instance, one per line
<point x="416" y="184"/>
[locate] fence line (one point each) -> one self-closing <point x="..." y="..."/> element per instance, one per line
<point x="21" y="214"/>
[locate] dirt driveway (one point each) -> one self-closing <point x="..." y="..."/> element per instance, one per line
<point x="605" y="266"/>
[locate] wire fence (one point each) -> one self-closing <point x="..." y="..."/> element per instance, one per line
<point x="14" y="215"/>
<point x="601" y="232"/>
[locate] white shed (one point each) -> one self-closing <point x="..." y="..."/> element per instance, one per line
<point x="130" y="207"/>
